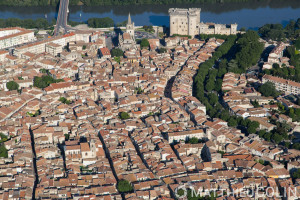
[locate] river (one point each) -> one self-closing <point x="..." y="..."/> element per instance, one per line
<point x="251" y="14"/>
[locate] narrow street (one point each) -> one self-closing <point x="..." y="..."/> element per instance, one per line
<point x="34" y="164"/>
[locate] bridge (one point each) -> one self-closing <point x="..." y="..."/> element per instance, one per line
<point x="62" y="17"/>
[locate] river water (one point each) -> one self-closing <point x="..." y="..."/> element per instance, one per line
<point x="251" y="14"/>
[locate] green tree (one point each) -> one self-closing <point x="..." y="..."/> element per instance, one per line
<point x="3" y="138"/>
<point x="232" y="122"/>
<point x="213" y="98"/>
<point x="44" y="81"/>
<point x="12" y="85"/>
<point x="139" y="90"/>
<point x="67" y="137"/>
<point x="193" y="140"/>
<point x="255" y="103"/>
<point x="116" y="52"/>
<point x="144" y="43"/>
<point x="268" y="89"/>
<point x="261" y="133"/>
<point x="64" y="100"/>
<point x="296" y="174"/>
<point x="277" y="138"/>
<point x="124" y="186"/>
<point x="122" y="23"/>
<point x="267" y="136"/>
<point x="297" y="44"/>
<point x="249" y="50"/>
<point x="124" y="115"/>
<point x="117" y="59"/>
<point x="224" y="115"/>
<point x="252" y="126"/>
<point x="162" y="50"/>
<point x="210" y="85"/>
<point x="3" y="151"/>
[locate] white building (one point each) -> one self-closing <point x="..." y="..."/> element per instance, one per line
<point x="10" y="37"/>
<point x="287" y="86"/>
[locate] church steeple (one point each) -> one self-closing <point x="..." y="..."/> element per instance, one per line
<point x="129" y="19"/>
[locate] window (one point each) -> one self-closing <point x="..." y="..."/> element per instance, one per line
<point x="86" y="154"/>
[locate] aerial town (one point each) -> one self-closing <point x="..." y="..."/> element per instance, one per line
<point x="80" y="121"/>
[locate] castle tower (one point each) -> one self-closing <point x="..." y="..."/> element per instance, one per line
<point x="184" y="21"/>
<point x="130" y="26"/>
<point x="218" y="28"/>
<point x="233" y="29"/>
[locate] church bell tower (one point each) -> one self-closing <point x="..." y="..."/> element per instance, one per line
<point x="130" y="27"/>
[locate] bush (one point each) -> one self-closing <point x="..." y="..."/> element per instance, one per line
<point x="124" y="115"/>
<point x="38" y="112"/>
<point x="139" y="90"/>
<point x="193" y="140"/>
<point x="64" y="100"/>
<point x="124" y="186"/>
<point x="148" y="28"/>
<point x="162" y="50"/>
<point x="12" y="85"/>
<point x="3" y="137"/>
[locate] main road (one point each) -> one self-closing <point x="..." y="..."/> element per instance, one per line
<point x="62" y="16"/>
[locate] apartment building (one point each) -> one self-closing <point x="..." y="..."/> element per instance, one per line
<point x="53" y="45"/>
<point x="287" y="86"/>
<point x="10" y="37"/>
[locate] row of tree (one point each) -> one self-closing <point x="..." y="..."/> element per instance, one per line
<point x="35" y="2"/>
<point x="141" y="2"/>
<point x="208" y="85"/>
<point x="208" y="80"/>
<point x="105" y="2"/>
<point x="27" y="23"/>
<point x="100" y="22"/>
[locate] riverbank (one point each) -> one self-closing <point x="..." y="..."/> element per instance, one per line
<point x="251" y="14"/>
<point x="109" y="2"/>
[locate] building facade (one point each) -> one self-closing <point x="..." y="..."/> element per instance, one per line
<point x="284" y="85"/>
<point x="10" y="37"/>
<point x="187" y="22"/>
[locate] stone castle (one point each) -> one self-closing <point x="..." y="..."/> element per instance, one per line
<point x="187" y="22"/>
